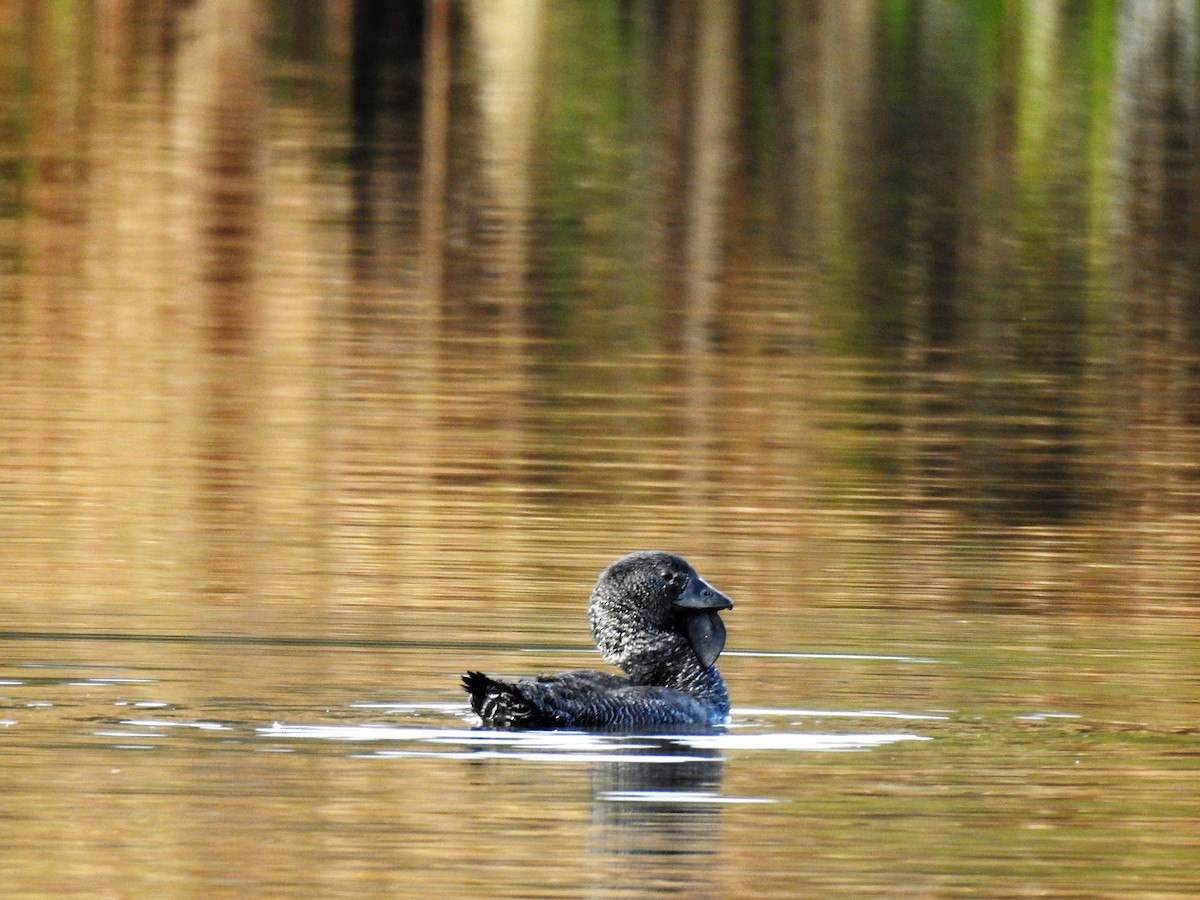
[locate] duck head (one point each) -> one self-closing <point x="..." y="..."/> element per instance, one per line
<point x="646" y="596"/>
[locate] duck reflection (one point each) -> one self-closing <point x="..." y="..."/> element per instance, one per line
<point x="655" y="818"/>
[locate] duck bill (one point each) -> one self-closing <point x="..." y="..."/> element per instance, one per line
<point x="699" y="603"/>
<point x="706" y="633"/>
<point x="702" y="596"/>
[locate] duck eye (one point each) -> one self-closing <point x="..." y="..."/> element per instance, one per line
<point x="675" y="579"/>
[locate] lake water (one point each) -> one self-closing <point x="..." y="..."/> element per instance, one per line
<point x="343" y="344"/>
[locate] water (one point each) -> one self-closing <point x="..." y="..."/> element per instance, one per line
<point x="342" y="346"/>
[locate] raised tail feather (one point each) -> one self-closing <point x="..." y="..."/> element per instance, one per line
<point x="499" y="703"/>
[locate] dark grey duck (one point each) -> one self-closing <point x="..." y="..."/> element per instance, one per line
<point x="656" y="619"/>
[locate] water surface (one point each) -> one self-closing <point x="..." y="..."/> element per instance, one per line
<point x="341" y="348"/>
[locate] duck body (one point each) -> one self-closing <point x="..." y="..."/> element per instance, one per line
<point x="655" y="618"/>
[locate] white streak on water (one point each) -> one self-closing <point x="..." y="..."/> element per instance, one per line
<point x="807" y="742"/>
<point x="1041" y="717"/>
<point x="837" y="714"/>
<point x="679" y="797"/>
<point x="581" y="746"/>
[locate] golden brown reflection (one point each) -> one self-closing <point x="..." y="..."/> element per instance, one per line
<point x="384" y="327"/>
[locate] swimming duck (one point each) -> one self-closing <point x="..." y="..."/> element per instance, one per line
<point x="656" y="619"/>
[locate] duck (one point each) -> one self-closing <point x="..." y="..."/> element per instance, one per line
<point x="658" y="621"/>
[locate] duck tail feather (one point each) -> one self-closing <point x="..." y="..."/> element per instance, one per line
<point x="499" y="703"/>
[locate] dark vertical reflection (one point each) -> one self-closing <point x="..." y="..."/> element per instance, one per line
<point x="913" y="285"/>
<point x="434" y="151"/>
<point x="386" y="87"/>
<point x="388" y="323"/>
<point x="384" y="67"/>
<point x="656" y="821"/>
<point x="968" y="231"/>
